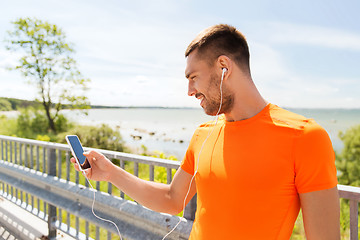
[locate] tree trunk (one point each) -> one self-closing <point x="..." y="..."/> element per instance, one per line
<point x="50" y="119"/>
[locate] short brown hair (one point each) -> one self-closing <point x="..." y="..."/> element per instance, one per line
<point x="221" y="39"/>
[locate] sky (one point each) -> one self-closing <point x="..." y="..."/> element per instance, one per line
<point x="304" y="54"/>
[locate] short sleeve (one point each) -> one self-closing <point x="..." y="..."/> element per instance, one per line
<point x="314" y="159"/>
<point x="188" y="162"/>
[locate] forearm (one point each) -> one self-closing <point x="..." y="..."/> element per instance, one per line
<point x="156" y="196"/>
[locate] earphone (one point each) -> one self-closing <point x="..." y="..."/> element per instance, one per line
<point x="224" y="70"/>
<point x="92" y="208"/>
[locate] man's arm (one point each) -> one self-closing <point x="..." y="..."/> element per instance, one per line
<point x="321" y="214"/>
<point x="168" y="198"/>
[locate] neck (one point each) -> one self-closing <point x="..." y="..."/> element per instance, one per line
<point x="247" y="101"/>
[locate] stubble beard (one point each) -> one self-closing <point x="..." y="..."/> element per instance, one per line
<point x="212" y="102"/>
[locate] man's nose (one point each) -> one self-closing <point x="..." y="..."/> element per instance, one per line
<point x="191" y="89"/>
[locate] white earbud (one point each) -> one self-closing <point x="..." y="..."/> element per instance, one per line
<point x="224" y="70"/>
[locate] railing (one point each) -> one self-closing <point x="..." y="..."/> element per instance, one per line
<point x="353" y="195"/>
<point x="38" y="177"/>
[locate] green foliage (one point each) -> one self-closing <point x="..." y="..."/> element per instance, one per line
<point x="32" y="123"/>
<point x="348" y="161"/>
<point x="24" y="122"/>
<point x="16" y="104"/>
<point x="44" y="138"/>
<point x="5" y="105"/>
<point x="62" y="124"/>
<point x="7" y="126"/>
<point x="348" y="165"/>
<point x="103" y="137"/>
<point x="344" y="216"/>
<point x="298" y="230"/>
<point x="160" y="173"/>
<point x="47" y="64"/>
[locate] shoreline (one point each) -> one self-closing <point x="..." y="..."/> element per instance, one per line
<point x="169" y="130"/>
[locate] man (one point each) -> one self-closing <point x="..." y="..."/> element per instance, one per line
<point x="254" y="167"/>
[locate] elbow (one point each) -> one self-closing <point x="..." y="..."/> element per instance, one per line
<point x="174" y="207"/>
<point x="175" y="210"/>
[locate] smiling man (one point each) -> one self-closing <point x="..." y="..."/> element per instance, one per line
<point x="260" y="163"/>
<point x="253" y="168"/>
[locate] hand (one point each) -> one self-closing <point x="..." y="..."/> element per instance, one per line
<point x="100" y="166"/>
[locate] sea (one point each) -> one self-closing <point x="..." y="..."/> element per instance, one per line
<point x="169" y="130"/>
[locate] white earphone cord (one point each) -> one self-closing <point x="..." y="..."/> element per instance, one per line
<point x="191" y="181"/>
<point x="197" y="162"/>
<point x="92" y="209"/>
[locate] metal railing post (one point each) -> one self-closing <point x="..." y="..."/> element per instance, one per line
<point x="51" y="166"/>
<point x="56" y="194"/>
<point x="190" y="209"/>
<point x="354" y="213"/>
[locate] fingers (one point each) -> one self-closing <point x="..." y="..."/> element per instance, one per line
<point x="76" y="166"/>
<point x="92" y="153"/>
<point x="86" y="172"/>
<point x="92" y="156"/>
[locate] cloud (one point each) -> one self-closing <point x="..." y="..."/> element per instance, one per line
<point x="134" y="52"/>
<point x="314" y="35"/>
<point x="8" y="59"/>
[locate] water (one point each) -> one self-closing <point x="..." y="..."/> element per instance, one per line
<point x="165" y="130"/>
<point x="333" y="121"/>
<point x="170" y="130"/>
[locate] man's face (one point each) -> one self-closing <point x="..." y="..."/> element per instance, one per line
<point x="204" y="84"/>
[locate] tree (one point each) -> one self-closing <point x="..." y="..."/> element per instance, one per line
<point x="5" y="105"/>
<point x="47" y="64"/>
<point x="348" y="161"/>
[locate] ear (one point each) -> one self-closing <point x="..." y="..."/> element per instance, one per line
<point x="224" y="62"/>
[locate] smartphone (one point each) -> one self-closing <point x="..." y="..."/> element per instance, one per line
<point x="77" y="151"/>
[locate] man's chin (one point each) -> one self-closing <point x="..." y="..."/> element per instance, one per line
<point x="209" y="112"/>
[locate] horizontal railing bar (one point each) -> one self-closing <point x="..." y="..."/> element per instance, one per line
<point x="108" y="153"/>
<point x="349" y="192"/>
<point x="133" y="219"/>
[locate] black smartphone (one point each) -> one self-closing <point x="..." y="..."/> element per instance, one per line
<point x="77" y="151"/>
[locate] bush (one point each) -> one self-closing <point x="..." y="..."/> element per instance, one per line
<point x="7" y="126"/>
<point x="23" y="126"/>
<point x="103" y="137"/>
<point x="62" y="124"/>
<point x="348" y="161"/>
<point x="32" y="122"/>
<point x="348" y="165"/>
<point x="5" y="105"/>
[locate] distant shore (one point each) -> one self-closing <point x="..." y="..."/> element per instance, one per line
<point x="21" y="103"/>
<point x="169" y="129"/>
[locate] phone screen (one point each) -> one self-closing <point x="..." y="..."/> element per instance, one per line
<point x="77" y="148"/>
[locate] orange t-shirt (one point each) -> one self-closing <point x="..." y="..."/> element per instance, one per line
<point x="251" y="171"/>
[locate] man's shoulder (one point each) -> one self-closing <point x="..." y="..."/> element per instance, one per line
<point x="289" y="119"/>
